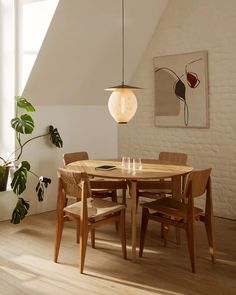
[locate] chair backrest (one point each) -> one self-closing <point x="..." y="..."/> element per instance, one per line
<point x="199" y="180"/>
<point x="76" y="156"/>
<point x="178" y="158"/>
<point x="76" y="184"/>
<point x="198" y="183"/>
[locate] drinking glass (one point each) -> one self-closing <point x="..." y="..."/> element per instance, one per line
<point x="128" y="163"/>
<point x="134" y="165"/>
<point x="140" y="166"/>
<point x="125" y="163"/>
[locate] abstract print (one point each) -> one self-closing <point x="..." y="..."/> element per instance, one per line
<point x="181" y="90"/>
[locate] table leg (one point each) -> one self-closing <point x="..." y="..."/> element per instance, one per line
<point x="177" y="194"/>
<point x="133" y="196"/>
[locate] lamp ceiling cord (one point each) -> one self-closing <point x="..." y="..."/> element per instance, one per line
<point x="123" y="43"/>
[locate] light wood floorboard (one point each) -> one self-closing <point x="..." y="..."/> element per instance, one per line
<point x="27" y="267"/>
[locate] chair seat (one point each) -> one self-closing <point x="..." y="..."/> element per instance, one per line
<point x="97" y="208"/>
<point x="170" y="207"/>
<point x="101" y="193"/>
<point x="154" y="189"/>
<point x="72" y="197"/>
<point x="154" y="194"/>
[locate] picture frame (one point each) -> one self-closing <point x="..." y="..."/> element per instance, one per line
<point x="181" y="90"/>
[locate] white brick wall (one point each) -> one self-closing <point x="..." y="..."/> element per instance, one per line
<point x="187" y="26"/>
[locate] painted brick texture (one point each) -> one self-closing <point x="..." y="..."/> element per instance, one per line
<point x="188" y="26"/>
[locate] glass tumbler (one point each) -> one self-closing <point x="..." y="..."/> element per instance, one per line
<point x="125" y="163"/>
<point x="140" y="166"/>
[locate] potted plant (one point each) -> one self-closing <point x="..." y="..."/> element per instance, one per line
<point x="24" y="124"/>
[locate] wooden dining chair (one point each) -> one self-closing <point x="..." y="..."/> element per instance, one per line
<point x="90" y="212"/>
<point x="183" y="214"/>
<point x="173" y="157"/>
<point x="74" y="156"/>
<point x="96" y="192"/>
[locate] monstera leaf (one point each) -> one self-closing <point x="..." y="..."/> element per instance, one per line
<point x="19" y="180"/>
<point x="55" y="136"/>
<point x="42" y="184"/>
<point x="23" y="124"/>
<point x="20" y="211"/>
<point x="22" y="103"/>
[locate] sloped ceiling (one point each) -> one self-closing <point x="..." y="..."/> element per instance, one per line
<point x="81" y="53"/>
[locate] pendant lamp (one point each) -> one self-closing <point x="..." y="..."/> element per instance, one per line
<point x="122" y="103"/>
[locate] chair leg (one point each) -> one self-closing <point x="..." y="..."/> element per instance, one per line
<point x="165" y="233"/>
<point x="77" y="231"/>
<point x="210" y="236"/>
<point x="137" y="199"/>
<point x="59" y="229"/>
<point x="93" y="237"/>
<point x="114" y="196"/>
<point x="144" y="225"/>
<point x="162" y="230"/>
<point x="123" y="233"/>
<point x="83" y="245"/>
<point x="178" y="236"/>
<point x="191" y="243"/>
<point x="124" y="196"/>
<point x="114" y="199"/>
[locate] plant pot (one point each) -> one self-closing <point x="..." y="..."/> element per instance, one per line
<point x="4" y="179"/>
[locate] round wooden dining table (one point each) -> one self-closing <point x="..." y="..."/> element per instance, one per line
<point x="151" y="170"/>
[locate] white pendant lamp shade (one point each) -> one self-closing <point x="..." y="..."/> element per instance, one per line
<point x="122" y="105"/>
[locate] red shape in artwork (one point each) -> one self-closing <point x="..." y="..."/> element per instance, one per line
<point x="192" y="79"/>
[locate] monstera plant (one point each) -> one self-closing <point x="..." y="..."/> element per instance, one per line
<point x="23" y="124"/>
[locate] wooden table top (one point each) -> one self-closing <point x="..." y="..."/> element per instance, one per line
<point x="151" y="169"/>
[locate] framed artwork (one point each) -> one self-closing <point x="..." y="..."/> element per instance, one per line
<point x="181" y="90"/>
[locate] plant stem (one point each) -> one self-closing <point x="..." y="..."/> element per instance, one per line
<point x="34" y="173"/>
<point x="38" y="136"/>
<point x="27" y="141"/>
<point x="18" y="138"/>
<point x="4" y="161"/>
<point x="19" y="142"/>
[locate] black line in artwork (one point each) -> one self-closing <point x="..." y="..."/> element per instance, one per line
<point x="159" y="69"/>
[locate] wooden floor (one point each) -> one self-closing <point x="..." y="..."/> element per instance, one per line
<point x="26" y="265"/>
